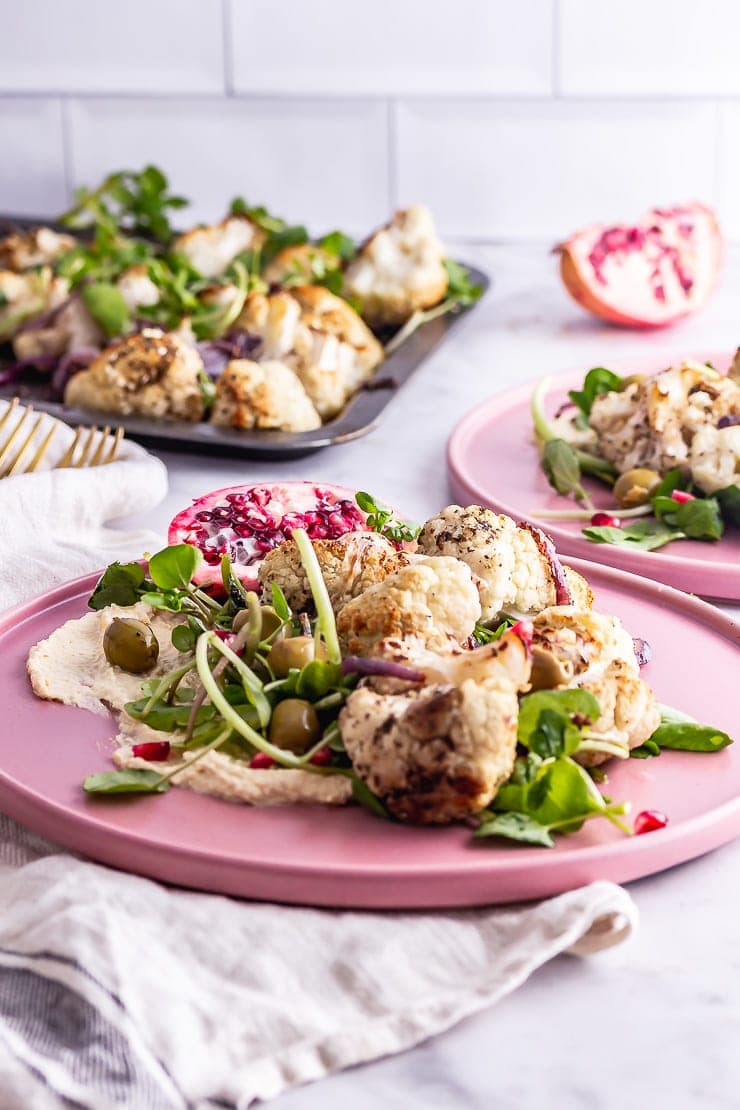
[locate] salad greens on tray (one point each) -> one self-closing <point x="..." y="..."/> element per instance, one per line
<point x="667" y="445"/>
<point x="299" y="643"/>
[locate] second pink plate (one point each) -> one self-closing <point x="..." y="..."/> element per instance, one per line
<point x="492" y="461"/>
<point x="346" y="857"/>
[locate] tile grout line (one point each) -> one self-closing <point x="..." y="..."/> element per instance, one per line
<point x="67" y="146"/>
<point x="392" y="124"/>
<point x="226" y="41"/>
<point x="555" y="82"/>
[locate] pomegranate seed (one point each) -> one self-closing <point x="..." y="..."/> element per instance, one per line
<point x="680" y="496"/>
<point x="261" y="761"/>
<point x="649" y="820"/>
<point x="605" y="520"/>
<point x="524" y="630"/>
<point x="321" y="757"/>
<point x="155" y="750"/>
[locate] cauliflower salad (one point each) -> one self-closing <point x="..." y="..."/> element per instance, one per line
<point x="453" y="672"/>
<point x="246" y="323"/>
<point x="668" y="445"/>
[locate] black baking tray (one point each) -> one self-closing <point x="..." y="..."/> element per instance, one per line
<point x="359" y="416"/>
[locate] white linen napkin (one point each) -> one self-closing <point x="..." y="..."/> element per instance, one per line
<point x="116" y="990"/>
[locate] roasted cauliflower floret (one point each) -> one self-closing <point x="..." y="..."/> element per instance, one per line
<point x="715" y="458"/>
<point x="267" y="395"/>
<point x="652" y="423"/>
<point x="432" y="601"/>
<point x="297" y="264"/>
<point x="513" y="576"/>
<point x="23" y="296"/>
<point x="399" y="269"/>
<point x="592" y="651"/>
<point x="153" y="373"/>
<point x="38" y="247"/>
<point x="438" y="753"/>
<point x="210" y="249"/>
<point x="137" y="288"/>
<point x="350" y="565"/>
<point x="71" y="328"/>
<point x="319" y="336"/>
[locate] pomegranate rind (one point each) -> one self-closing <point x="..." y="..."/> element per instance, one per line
<point x="648" y="275"/>
<point x="256" y="518"/>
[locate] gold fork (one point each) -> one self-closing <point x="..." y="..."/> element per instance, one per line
<point x="14" y="462"/>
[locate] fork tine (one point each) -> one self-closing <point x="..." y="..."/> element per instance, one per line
<point x="66" y="459"/>
<point x="9" y="412"/>
<point x="5" y="451"/>
<point x="15" y="466"/>
<point x="42" y="448"/>
<point x="98" y="454"/>
<point x="110" y="457"/>
<point x="82" y="461"/>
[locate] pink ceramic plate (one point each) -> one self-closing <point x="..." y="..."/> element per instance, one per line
<point x="492" y="461"/>
<point x="346" y="857"/>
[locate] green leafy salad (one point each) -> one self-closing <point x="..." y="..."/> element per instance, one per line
<point x="668" y="446"/>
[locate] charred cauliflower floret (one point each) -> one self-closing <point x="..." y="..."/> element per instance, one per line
<point x="513" y="575"/>
<point x="38" y="247"/>
<point x="153" y="373"/>
<point x="652" y="423"/>
<point x="399" y="269"/>
<point x="350" y="565"/>
<point x="71" y="328"/>
<point x="438" y="753"/>
<point x="319" y="336"/>
<point x="210" y="249"/>
<point x="592" y="651"/>
<point x="715" y="458"/>
<point x="432" y="601"/>
<point x="266" y="395"/>
<point x="23" y="296"/>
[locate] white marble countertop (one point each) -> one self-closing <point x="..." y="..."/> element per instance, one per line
<point x="657" y="1021"/>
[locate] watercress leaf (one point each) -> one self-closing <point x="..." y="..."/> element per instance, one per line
<point x="169" y="600"/>
<point x="514" y="826"/>
<point x="679" y="732"/>
<point x="645" y="535"/>
<point x="107" y="307"/>
<point x="460" y="288"/>
<point x="525" y="769"/>
<point x="118" y="585"/>
<point x="561" y="466"/>
<point x="729" y="503"/>
<point x="279" y="603"/>
<point x="183" y="637"/>
<point x="173" y="567"/>
<point x="598" y="380"/>
<point x="700" y="519"/>
<point x="125" y="782"/>
<point x="365" y="502"/>
<point x="339" y="244"/>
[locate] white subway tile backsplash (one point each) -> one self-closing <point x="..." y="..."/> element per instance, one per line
<point x="392" y="46"/>
<point x="93" y="46"/>
<point x="729" y="169"/>
<point x="658" y="47"/>
<point x="32" y="177"/>
<point x="317" y="162"/>
<point x="542" y="169"/>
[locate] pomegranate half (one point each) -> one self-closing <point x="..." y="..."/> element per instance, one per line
<point x="246" y="522"/>
<point x="647" y="275"/>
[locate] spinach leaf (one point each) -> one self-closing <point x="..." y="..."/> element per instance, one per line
<point x="562" y="468"/>
<point x="729" y="503"/>
<point x="515" y="826"/>
<point x="679" y="732"/>
<point x="107" y="307"/>
<point x="643" y="535"/>
<point x="125" y="782"/>
<point x="120" y="584"/>
<point x="551" y="722"/>
<point x="698" y="519"/>
<point x="599" y="380"/>
<point x="173" y="567"/>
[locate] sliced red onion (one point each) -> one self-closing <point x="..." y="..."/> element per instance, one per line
<point x="69" y="365"/>
<point x="729" y="421"/>
<point x="12" y="372"/>
<point x="216" y="353"/>
<point x="357" y="664"/>
<point x="45" y="319"/>
<point x="546" y="548"/>
<point x="643" y="651"/>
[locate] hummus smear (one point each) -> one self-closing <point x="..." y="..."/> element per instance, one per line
<point x="70" y="666"/>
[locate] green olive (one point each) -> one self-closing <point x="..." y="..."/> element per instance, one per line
<point x="270" y="622"/>
<point x="130" y="645"/>
<point x="635" y="487"/>
<point x="294" y="725"/>
<point x="293" y="652"/>
<point x="547" y="671"/>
